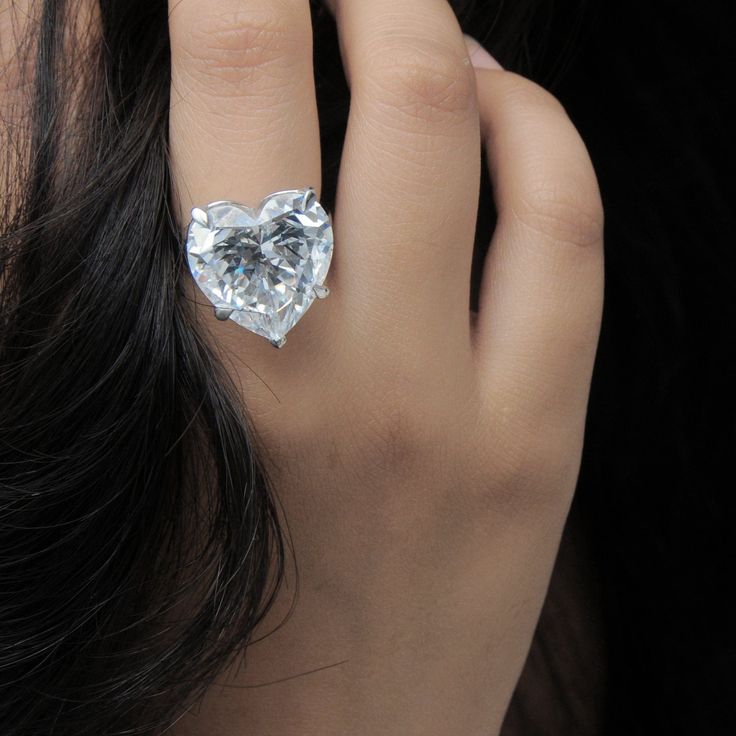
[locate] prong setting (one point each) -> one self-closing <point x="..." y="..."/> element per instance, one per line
<point x="309" y="196"/>
<point x="200" y="217"/>
<point x="223" y="313"/>
<point x="278" y="343"/>
<point x="321" y="292"/>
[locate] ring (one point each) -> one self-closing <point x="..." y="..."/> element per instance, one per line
<point x="262" y="267"/>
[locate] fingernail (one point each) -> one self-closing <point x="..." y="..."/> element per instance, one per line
<point x="479" y="57"/>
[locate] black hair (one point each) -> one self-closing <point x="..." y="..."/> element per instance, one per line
<point x="139" y="543"/>
<point x="648" y="86"/>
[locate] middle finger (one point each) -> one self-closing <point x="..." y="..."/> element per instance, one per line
<point x="409" y="180"/>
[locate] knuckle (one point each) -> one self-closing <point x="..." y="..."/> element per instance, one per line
<point x="233" y="47"/>
<point x="424" y="80"/>
<point x="514" y="470"/>
<point x="525" y="478"/>
<point x="521" y="95"/>
<point x="559" y="198"/>
<point x="565" y="212"/>
<point x="397" y="437"/>
<point x="533" y="474"/>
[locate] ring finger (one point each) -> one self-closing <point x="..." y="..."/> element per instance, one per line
<point x="243" y="114"/>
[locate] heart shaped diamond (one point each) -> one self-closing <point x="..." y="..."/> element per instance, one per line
<point x="262" y="267"/>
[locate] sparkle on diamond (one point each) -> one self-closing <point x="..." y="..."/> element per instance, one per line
<point x="263" y="263"/>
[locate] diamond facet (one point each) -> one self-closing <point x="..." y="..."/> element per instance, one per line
<point x="266" y="265"/>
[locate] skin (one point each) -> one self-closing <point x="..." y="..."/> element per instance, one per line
<point x="425" y="457"/>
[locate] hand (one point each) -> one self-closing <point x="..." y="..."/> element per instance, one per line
<point x="425" y="460"/>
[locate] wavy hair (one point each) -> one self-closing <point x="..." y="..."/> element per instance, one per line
<point x="140" y="545"/>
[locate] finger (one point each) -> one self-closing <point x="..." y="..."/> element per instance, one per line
<point x="243" y="112"/>
<point x="542" y="289"/>
<point x="243" y="109"/>
<point x="409" y="179"/>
